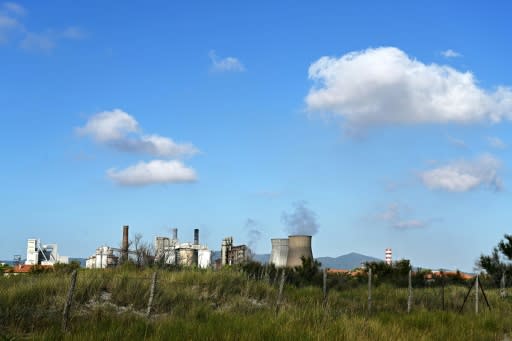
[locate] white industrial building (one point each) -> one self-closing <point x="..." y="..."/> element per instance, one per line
<point x="43" y="254"/>
<point x="103" y="258"/>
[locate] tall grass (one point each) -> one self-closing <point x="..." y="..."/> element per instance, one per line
<point x="227" y="305"/>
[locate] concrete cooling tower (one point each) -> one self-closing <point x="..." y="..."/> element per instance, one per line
<point x="279" y="254"/>
<point x="298" y="246"/>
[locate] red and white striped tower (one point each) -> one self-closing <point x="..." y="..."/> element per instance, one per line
<point x="389" y="256"/>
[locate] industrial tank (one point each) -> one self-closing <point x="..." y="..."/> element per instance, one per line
<point x="187" y="256"/>
<point x="279" y="254"/>
<point x="298" y="246"/>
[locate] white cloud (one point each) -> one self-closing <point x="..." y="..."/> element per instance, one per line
<point x="13" y="8"/>
<point x="394" y="214"/>
<point x="109" y="126"/>
<point x="450" y="53"/>
<point x="73" y="32"/>
<point x="496" y="142"/>
<point x="225" y="64"/>
<point x="153" y="172"/>
<point x="385" y="86"/>
<point x="121" y="131"/>
<point x="38" y="42"/>
<point x="12" y="28"/>
<point x="457" y="142"/>
<point x="462" y="175"/>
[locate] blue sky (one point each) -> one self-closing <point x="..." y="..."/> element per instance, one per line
<point x="377" y="125"/>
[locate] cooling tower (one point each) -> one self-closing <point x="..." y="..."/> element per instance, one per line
<point x="298" y="246"/>
<point x="279" y="253"/>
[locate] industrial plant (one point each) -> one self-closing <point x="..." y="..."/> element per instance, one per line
<point x="43" y="254"/>
<point x="231" y="254"/>
<point x="168" y="251"/>
<point x="171" y="252"/>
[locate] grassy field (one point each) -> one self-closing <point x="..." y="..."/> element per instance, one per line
<point x="227" y="305"/>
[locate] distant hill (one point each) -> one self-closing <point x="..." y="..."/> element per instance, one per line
<point x="349" y="261"/>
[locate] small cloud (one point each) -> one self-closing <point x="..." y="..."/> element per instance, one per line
<point x="73" y="32"/>
<point x="38" y="42"/>
<point x="457" y="142"/>
<point x="109" y="126"/>
<point x="496" y="142"/>
<point x="394" y="214"/>
<point x="121" y="131"/>
<point x="228" y="64"/>
<point x="153" y="172"/>
<point x="450" y="53"/>
<point x="463" y="175"/>
<point x="14" y="8"/>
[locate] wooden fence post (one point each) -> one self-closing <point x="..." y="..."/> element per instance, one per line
<point x="281" y="287"/>
<point x="151" y="295"/>
<point x="503" y="292"/>
<point x="67" y="306"/>
<point x="476" y="294"/>
<point x="409" y="299"/>
<point x="369" y="291"/>
<point x="325" y="285"/>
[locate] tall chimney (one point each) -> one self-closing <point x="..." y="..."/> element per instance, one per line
<point x="196" y="236"/>
<point x="124" y="247"/>
<point x="298" y="246"/>
<point x="174" y="234"/>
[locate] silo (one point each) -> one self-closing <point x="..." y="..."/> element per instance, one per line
<point x="279" y="254"/>
<point x="298" y="246"/>
<point x="187" y="256"/>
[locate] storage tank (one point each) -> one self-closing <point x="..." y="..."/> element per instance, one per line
<point x="279" y="254"/>
<point x="298" y="246"/>
<point x="204" y="258"/>
<point x="187" y="256"/>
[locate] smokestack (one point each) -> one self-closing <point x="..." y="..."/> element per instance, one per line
<point x="279" y="254"/>
<point x="174" y="234"/>
<point x="298" y="246"/>
<point x="196" y="236"/>
<point x="124" y="246"/>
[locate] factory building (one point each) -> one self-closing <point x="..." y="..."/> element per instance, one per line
<point x="170" y="251"/>
<point x="231" y="255"/>
<point x="102" y="259"/>
<point x="43" y="254"/>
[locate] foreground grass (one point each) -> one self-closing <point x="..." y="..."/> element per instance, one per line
<point x="225" y="305"/>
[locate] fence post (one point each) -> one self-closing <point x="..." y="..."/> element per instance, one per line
<point x="281" y="287"/>
<point x="151" y="294"/>
<point x="476" y="294"/>
<point x="67" y="306"/>
<point x="409" y="300"/>
<point x="503" y="292"/>
<point x="369" y="291"/>
<point x="442" y="289"/>
<point x="325" y="286"/>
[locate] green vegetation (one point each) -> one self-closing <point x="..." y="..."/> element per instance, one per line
<point x="234" y="304"/>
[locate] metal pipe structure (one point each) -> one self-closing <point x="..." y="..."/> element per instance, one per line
<point x="299" y="246"/>
<point x="124" y="246"/>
